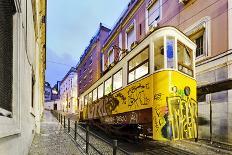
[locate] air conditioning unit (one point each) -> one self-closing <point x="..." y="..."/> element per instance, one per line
<point x="134" y="44"/>
<point x="153" y="26"/>
<point x="184" y="1"/>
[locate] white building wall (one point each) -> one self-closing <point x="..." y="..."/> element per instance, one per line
<point x="68" y="88"/>
<point x="16" y="138"/>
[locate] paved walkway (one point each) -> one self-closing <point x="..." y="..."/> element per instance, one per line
<point x="52" y="140"/>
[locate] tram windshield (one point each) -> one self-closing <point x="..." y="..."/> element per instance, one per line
<point x="185" y="59"/>
<point x="182" y="61"/>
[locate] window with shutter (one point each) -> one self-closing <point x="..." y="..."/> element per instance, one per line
<point x="7" y="10"/>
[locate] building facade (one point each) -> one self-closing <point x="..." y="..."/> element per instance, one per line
<point x="88" y="69"/>
<point x="47" y="92"/>
<point x="22" y="67"/>
<point x="68" y="92"/>
<point x="208" y="24"/>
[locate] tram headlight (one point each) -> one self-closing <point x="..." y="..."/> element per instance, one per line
<point x="187" y="90"/>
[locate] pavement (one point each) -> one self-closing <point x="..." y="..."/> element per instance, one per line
<point x="52" y="140"/>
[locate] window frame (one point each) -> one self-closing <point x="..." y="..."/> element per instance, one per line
<point x="121" y="69"/>
<point x="144" y="62"/>
<point x="11" y="126"/>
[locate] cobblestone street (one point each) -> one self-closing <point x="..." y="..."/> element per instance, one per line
<point x="52" y="140"/>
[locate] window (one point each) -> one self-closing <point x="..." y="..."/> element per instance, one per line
<point x="102" y="63"/>
<point x="117" y="80"/>
<point x="120" y="46"/>
<point x="108" y="86"/>
<point x="90" y="98"/>
<point x="86" y="99"/>
<point x="138" y="66"/>
<point x="100" y="91"/>
<point x="90" y="60"/>
<point x="131" y="35"/>
<point x="111" y="57"/>
<point x="95" y="94"/>
<point x="159" y="54"/>
<point x="153" y="12"/>
<point x="199" y="50"/>
<point x="7" y="10"/>
<point x="170" y="52"/>
<point x="185" y="59"/>
<point x="200" y="34"/>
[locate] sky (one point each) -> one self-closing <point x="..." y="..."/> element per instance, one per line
<point x="70" y="26"/>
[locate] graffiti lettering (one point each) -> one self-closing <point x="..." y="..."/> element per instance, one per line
<point x="103" y="107"/>
<point x="137" y="95"/>
<point x="158" y="96"/>
<point x="182" y="117"/>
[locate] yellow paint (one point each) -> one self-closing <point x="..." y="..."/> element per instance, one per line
<point x="173" y="113"/>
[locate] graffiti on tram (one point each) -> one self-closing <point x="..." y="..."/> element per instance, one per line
<point x="177" y="119"/>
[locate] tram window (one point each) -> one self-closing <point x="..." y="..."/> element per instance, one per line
<point x="117" y="80"/>
<point x="159" y="53"/>
<point x="90" y="99"/>
<point x="86" y="99"/>
<point x="100" y="91"/>
<point x="95" y="94"/>
<point x="170" y="52"/>
<point x="185" y="59"/>
<point x="138" y="66"/>
<point x="108" y="86"/>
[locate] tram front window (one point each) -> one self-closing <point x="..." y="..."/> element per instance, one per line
<point x="170" y="52"/>
<point x="185" y="59"/>
<point x="159" y="53"/>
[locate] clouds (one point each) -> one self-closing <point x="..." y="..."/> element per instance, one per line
<point x="70" y="26"/>
<point x="58" y="65"/>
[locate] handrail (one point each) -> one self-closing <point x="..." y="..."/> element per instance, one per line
<point x="61" y="118"/>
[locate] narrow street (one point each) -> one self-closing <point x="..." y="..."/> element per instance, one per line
<point x="52" y="140"/>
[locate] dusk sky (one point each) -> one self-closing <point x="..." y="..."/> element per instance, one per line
<point x="70" y="26"/>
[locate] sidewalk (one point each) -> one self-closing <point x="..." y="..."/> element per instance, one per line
<point x="52" y="140"/>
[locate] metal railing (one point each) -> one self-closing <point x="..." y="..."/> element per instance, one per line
<point x="66" y="123"/>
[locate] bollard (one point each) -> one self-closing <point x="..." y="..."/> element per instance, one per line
<point x="75" y="135"/>
<point x="87" y="139"/>
<point x="68" y="125"/>
<point x="64" y="121"/>
<point x="115" y="147"/>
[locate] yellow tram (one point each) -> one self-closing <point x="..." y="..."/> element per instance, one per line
<point x="150" y="91"/>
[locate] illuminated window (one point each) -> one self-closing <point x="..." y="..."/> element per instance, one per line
<point x="86" y="99"/>
<point x="111" y="57"/>
<point x="117" y="80"/>
<point x="90" y="98"/>
<point x="185" y="59"/>
<point x="108" y="86"/>
<point x="138" y="66"/>
<point x="95" y="94"/>
<point x="159" y="53"/>
<point x="100" y="91"/>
